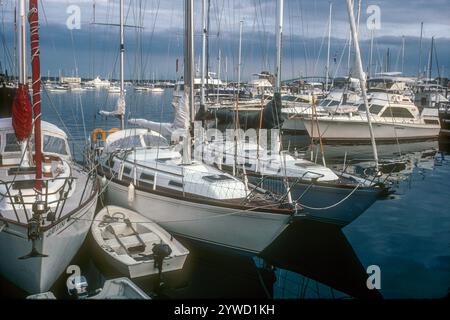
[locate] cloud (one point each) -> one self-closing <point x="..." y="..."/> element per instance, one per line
<point x="94" y="49"/>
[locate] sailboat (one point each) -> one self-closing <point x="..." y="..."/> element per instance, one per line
<point x="47" y="202"/>
<point x="332" y="197"/>
<point x="143" y="171"/>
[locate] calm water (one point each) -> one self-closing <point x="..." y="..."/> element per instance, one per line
<point x="406" y="235"/>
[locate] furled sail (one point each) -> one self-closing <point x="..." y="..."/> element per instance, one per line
<point x="120" y="109"/>
<point x="21" y="113"/>
<point x="180" y="124"/>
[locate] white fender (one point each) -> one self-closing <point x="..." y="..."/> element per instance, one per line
<point x="131" y="193"/>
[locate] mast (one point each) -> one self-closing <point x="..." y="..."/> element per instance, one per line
<point x="403" y="52"/>
<point x="361" y="77"/>
<point x="203" y="68"/>
<point x="15" y="43"/>
<point x="22" y="44"/>
<point x="279" y="40"/>
<point x="240" y="55"/>
<point x="33" y="17"/>
<point x="371" y="54"/>
<point x="188" y="75"/>
<point x="430" y="58"/>
<point x="420" y="50"/>
<point x="279" y="37"/>
<point x="328" y="48"/>
<point x="21" y="109"/>
<point x="218" y="76"/>
<point x="189" y="56"/>
<point x="121" y="102"/>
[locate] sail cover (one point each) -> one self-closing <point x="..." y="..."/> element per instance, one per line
<point x="120" y="109"/>
<point x="21" y="113"/>
<point x="179" y="125"/>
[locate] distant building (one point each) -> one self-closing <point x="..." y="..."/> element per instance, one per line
<point x="70" y="80"/>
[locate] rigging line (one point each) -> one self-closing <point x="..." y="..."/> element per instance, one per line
<point x="220" y="215"/>
<point x="320" y="50"/>
<point x="7" y="54"/>
<point x="152" y="34"/>
<point x="330" y="206"/>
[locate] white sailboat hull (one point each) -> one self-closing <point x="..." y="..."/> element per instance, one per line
<point x="335" y="130"/>
<point x="247" y="231"/>
<point x="293" y="124"/>
<point x="60" y="243"/>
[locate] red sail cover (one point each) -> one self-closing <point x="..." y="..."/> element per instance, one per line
<point x="21" y="113"/>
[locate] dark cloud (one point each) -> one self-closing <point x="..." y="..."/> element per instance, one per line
<point x="94" y="50"/>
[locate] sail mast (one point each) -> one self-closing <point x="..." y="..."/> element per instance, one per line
<point x="241" y="23"/>
<point x="189" y="56"/>
<point x="279" y="37"/>
<point x="33" y="18"/>
<point x="430" y="59"/>
<point x="328" y="48"/>
<point x="361" y="77"/>
<point x="21" y="109"/>
<point x="203" y="68"/>
<point x="369" y="73"/>
<point x="122" y="54"/>
<point x="22" y="44"/>
<point x="419" y="71"/>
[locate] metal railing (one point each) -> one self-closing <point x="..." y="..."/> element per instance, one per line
<point x="20" y="201"/>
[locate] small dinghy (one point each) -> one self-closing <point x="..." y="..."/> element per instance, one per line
<point x="122" y="289"/>
<point x="119" y="288"/>
<point x="135" y="245"/>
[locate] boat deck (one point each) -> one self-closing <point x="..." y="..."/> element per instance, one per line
<point x="23" y="184"/>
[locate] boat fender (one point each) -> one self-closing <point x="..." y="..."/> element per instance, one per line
<point x="104" y="182"/>
<point x="131" y="193"/>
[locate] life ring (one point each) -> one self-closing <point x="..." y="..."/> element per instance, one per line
<point x="96" y="132"/>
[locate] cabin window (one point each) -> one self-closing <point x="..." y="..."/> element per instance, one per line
<point x="375" y="108"/>
<point x="127" y="170"/>
<point x="288" y="98"/>
<point x="397" y="112"/>
<point x="127" y="142"/>
<point x="12" y="145"/>
<point x="175" y="184"/>
<point x="330" y="103"/>
<point x="152" y="141"/>
<point x="54" y="145"/>
<point x="148" y="177"/>
<point x="428" y="121"/>
<point x="217" y="177"/>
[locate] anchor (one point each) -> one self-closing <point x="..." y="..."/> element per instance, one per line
<point x="34" y="229"/>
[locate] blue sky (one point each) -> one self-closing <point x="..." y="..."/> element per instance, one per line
<point x="93" y="49"/>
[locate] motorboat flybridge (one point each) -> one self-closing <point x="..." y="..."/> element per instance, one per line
<point x="394" y="117"/>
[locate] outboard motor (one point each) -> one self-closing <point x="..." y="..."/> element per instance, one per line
<point x="77" y="287"/>
<point x="160" y="252"/>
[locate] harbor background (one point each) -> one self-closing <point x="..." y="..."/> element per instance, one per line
<point x="406" y="235"/>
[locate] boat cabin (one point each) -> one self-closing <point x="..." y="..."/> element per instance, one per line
<point x="54" y="143"/>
